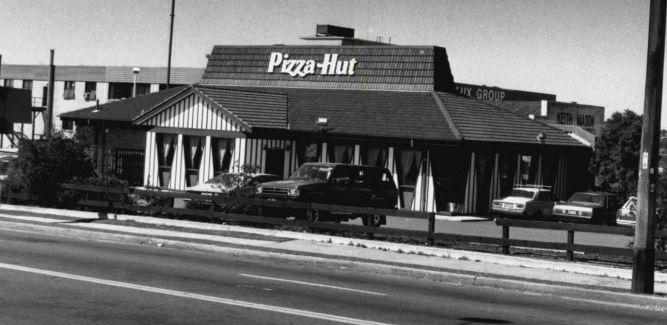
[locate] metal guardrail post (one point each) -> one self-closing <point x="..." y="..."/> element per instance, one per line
<point x="506" y="235"/>
<point x="431" y="228"/>
<point x="570" y="242"/>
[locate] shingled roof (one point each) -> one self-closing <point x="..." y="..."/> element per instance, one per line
<point x="123" y="110"/>
<point x="405" y="68"/>
<point x="480" y="122"/>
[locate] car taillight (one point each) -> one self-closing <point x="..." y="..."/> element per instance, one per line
<point x="587" y="213"/>
<point x="519" y="205"/>
<point x="496" y="203"/>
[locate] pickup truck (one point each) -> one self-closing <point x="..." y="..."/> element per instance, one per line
<point x="335" y="184"/>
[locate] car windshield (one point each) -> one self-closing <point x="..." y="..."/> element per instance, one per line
<point x="587" y="198"/>
<point x="313" y="172"/>
<point x="522" y="193"/>
<point x="218" y="179"/>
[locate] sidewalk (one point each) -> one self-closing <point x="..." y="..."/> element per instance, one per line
<point x="570" y="279"/>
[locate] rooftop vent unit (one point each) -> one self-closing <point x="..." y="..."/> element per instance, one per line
<point x="331" y="30"/>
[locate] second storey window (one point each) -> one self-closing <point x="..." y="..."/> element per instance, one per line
<point x="90" y="90"/>
<point x="27" y="84"/>
<point x="69" y="90"/>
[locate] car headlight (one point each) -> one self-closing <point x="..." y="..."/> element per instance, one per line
<point x="293" y="192"/>
<point x="258" y="190"/>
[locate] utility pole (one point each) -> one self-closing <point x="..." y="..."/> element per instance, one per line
<point x="49" y="102"/>
<point x="171" y="37"/>
<point x="644" y="246"/>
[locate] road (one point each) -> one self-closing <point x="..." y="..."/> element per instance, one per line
<point x="58" y="280"/>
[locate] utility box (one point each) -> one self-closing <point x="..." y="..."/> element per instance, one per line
<point x="15" y="107"/>
<point x="331" y="30"/>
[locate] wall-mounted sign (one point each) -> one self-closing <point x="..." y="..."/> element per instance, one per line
<point x="496" y="94"/>
<point x="330" y="65"/>
<point x="583" y="120"/>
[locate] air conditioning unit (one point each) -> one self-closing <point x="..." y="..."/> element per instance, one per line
<point x="89" y="96"/>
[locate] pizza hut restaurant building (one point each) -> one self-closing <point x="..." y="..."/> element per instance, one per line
<point x="277" y="107"/>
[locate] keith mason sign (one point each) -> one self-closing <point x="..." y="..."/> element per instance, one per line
<point x="330" y="65"/>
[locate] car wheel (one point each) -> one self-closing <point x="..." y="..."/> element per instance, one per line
<point x="314" y="215"/>
<point x="372" y="220"/>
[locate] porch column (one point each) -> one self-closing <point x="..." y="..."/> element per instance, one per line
<point x="357" y="153"/>
<point x="470" y="200"/>
<point x="151" y="171"/>
<point x="518" y="177"/>
<point x="323" y="155"/>
<point x="560" y="185"/>
<point x="391" y="166"/>
<point x="177" y="179"/>
<point x="539" y="179"/>
<point x="494" y="192"/>
<point x="206" y="164"/>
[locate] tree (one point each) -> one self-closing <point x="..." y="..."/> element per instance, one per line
<point x="42" y="165"/>
<point x="616" y="160"/>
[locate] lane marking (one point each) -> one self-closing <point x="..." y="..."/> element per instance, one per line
<point x="189" y="295"/>
<point x="311" y="284"/>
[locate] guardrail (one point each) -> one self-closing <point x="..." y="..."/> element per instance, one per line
<point x="570" y="247"/>
<point x="309" y="223"/>
<point x="430" y="236"/>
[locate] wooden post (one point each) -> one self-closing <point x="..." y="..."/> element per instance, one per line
<point x="570" y="242"/>
<point x="644" y="247"/>
<point x="49" y="103"/>
<point x="431" y="227"/>
<point x="506" y="235"/>
<point x="171" y="37"/>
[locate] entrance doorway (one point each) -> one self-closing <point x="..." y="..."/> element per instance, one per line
<point x="275" y="161"/>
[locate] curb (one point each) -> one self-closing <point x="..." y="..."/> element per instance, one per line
<point x="515" y="261"/>
<point x="651" y="302"/>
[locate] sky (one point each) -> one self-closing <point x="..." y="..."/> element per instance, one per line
<point x="585" y="51"/>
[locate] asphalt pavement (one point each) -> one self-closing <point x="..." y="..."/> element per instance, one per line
<point x="51" y="279"/>
<point x="459" y="274"/>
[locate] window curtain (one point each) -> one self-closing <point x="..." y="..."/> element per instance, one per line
<point x="221" y="146"/>
<point x="376" y="157"/>
<point x="343" y="154"/>
<point x="195" y="151"/>
<point x="407" y="157"/>
<point x="168" y="143"/>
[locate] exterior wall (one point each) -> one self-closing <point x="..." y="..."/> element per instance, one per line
<point x="194" y="113"/>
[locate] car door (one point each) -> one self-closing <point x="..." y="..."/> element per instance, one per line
<point x="339" y="186"/>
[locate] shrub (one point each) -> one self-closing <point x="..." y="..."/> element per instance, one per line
<point x="43" y="164"/>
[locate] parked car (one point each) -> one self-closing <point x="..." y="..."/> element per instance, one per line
<point x="535" y="201"/>
<point x="627" y="214"/>
<point x="336" y="184"/>
<point x="225" y="182"/>
<point x="590" y="207"/>
<point x="222" y="184"/>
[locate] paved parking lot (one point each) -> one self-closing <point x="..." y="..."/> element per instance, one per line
<point x="488" y="228"/>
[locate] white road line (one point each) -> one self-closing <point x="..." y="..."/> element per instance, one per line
<point x="183" y="294"/>
<point x="312" y="284"/>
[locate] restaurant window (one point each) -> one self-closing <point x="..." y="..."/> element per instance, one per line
<point x="308" y="152"/>
<point x="68" y="125"/>
<point x="90" y="91"/>
<point x="166" y="148"/>
<point x="9" y="83"/>
<point x="27" y="84"/>
<point x="341" y="153"/>
<point x="68" y="93"/>
<point x="194" y="148"/>
<point x="164" y="86"/>
<point x="223" y="151"/>
<point x="120" y="90"/>
<point x="374" y="156"/>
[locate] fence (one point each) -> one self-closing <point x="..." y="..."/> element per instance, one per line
<point x="429" y="235"/>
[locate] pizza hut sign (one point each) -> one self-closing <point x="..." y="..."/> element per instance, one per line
<point x="330" y="65"/>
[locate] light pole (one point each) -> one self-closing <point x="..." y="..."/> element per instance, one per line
<point x="135" y="72"/>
